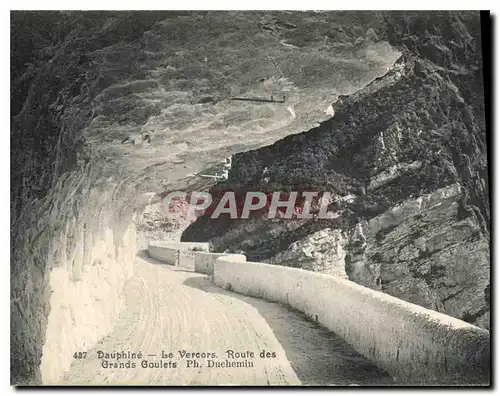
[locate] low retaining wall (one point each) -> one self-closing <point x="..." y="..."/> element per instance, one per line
<point x="204" y="262"/>
<point x="178" y="254"/>
<point x="200" y="246"/>
<point x="165" y="254"/>
<point x="171" y="252"/>
<point x="416" y="345"/>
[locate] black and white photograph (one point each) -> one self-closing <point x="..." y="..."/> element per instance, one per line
<point x="250" y="198"/>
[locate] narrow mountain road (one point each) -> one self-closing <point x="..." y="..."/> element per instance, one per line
<point x="169" y="311"/>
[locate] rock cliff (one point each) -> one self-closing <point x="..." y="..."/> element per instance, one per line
<point x="406" y="160"/>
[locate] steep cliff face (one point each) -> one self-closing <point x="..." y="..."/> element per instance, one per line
<point x="73" y="239"/>
<point x="406" y="160"/>
<point x="112" y="108"/>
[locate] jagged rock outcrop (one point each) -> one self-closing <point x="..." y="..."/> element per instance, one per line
<point x="322" y="251"/>
<point x="405" y="159"/>
<point x="156" y="223"/>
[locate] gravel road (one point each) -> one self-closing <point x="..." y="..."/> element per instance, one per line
<point x="169" y="311"/>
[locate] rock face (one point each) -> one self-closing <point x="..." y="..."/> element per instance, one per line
<point x="406" y="160"/>
<point x="322" y="251"/>
<point x="157" y="224"/>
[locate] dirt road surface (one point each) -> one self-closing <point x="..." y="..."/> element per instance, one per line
<point x="172" y="310"/>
